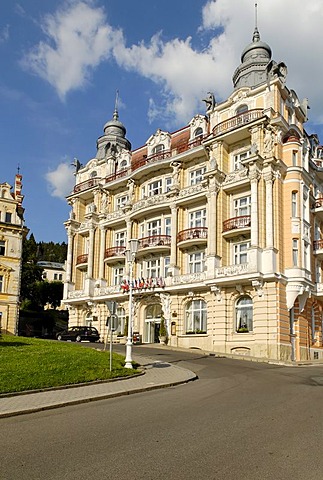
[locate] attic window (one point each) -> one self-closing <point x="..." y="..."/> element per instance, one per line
<point x="242" y="109"/>
<point x="93" y="174"/>
<point x="198" y="132"/>
<point x="159" y="148"/>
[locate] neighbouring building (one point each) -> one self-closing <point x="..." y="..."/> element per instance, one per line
<point x="12" y="232"/>
<point x="228" y="211"/>
<point x="52" y="271"/>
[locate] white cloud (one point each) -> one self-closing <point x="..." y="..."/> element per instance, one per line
<point x="78" y="39"/>
<point x="61" y="181"/>
<point x="4" y="34"/>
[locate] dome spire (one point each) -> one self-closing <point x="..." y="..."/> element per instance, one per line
<point x="115" y="113"/>
<point x="256" y="35"/>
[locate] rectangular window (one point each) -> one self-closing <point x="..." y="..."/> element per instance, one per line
<point x="155" y="188"/>
<point x="153" y="268"/>
<point x="294" y="204"/>
<point x="8" y="217"/>
<point x="55" y="276"/>
<point x="154" y="228"/>
<point x="196" y="262"/>
<point x="168" y="229"/>
<point x="242" y="206"/>
<point x="118" y="274"/>
<point x="2" y="247"/>
<point x="306" y="259"/>
<point x="238" y="159"/>
<point x="197" y="218"/>
<point x="240" y="253"/>
<point x="120" y="239"/>
<point x="295" y="252"/>
<point x="168" y="183"/>
<point x="60" y="277"/>
<point x="294" y="158"/>
<point x="1" y="283"/>
<point x="166" y="265"/>
<point x="121" y="201"/>
<point x="197" y="176"/>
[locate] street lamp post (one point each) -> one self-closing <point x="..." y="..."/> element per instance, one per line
<point x="130" y="257"/>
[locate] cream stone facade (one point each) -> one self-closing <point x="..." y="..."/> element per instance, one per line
<point x="12" y="232"/>
<point x="228" y="212"/>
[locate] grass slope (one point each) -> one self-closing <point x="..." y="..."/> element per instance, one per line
<point x="31" y="363"/>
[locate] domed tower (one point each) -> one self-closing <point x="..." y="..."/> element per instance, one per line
<point x="114" y="138"/>
<point x="255" y="59"/>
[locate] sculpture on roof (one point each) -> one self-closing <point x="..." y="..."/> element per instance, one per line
<point x="209" y="101"/>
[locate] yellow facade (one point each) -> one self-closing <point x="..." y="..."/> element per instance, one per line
<point x="12" y="232"/>
<point x="228" y="215"/>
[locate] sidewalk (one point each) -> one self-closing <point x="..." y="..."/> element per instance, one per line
<point x="156" y="375"/>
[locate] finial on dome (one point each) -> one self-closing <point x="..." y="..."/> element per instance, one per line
<point x="256" y="35"/>
<point x="115" y="113"/>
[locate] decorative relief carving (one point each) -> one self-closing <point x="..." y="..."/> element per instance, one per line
<point x="188" y="278"/>
<point x="236" y="176"/>
<point x="193" y="189"/>
<point x="232" y="270"/>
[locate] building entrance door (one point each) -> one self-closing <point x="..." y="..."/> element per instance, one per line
<point x="152" y="323"/>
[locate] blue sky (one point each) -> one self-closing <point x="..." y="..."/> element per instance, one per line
<point x="62" y="62"/>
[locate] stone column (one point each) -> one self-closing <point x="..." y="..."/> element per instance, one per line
<point x="268" y="177"/>
<point x="102" y="252"/>
<point x="173" y="248"/>
<point x="254" y="177"/>
<point x="90" y="253"/>
<point x="69" y="258"/>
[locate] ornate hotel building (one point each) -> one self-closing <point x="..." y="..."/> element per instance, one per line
<point x="12" y="233"/>
<point x="228" y="212"/>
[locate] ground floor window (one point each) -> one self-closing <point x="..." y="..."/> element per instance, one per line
<point x="121" y="321"/>
<point x="244" y="315"/>
<point x="196" y="317"/>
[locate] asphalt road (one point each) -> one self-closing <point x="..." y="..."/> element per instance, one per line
<point x="239" y="420"/>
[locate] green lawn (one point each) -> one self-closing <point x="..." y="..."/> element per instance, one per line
<point x="31" y="363"/>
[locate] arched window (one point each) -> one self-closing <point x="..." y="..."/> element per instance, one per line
<point x="123" y="164"/>
<point x="198" y="132"/>
<point x="93" y="174"/>
<point x="196" y="317"/>
<point x="159" y="148"/>
<point x="244" y="314"/>
<point x="242" y="109"/>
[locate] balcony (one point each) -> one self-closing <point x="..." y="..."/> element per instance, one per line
<point x="155" y="157"/>
<point x="81" y="187"/>
<point x="114" y="254"/>
<point x="192" y="236"/>
<point x="81" y="261"/>
<point x="318" y="249"/>
<point x="231" y="225"/>
<point x="117" y="175"/>
<point x="317" y="208"/>
<point x="154" y="243"/>
<point x="237" y="121"/>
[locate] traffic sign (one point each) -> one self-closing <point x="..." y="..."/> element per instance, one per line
<point x="113" y="322"/>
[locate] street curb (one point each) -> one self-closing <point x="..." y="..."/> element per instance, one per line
<point x="96" y="398"/>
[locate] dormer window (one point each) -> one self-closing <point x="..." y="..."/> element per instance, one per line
<point x="123" y="165"/>
<point x="198" y="132"/>
<point x="242" y="109"/>
<point x="159" y="148"/>
<point x="93" y="174"/>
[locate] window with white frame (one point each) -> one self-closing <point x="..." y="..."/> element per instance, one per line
<point x="305" y="203"/>
<point x="120" y="239"/>
<point x="154" y="228"/>
<point x="196" y="317"/>
<point x="8" y="217"/>
<point x="197" y="176"/>
<point x="159" y="148"/>
<point x="244" y="315"/>
<point x="240" y="252"/>
<point x="168" y="183"/>
<point x="295" y="252"/>
<point x="306" y="256"/>
<point x="166" y="266"/>
<point x="155" y="188"/>
<point x="238" y="159"/>
<point x="242" y="206"/>
<point x="121" y="320"/>
<point x="121" y="201"/>
<point x="153" y="268"/>
<point x="294" y="204"/>
<point x="196" y="262"/>
<point x="118" y="275"/>
<point x="1" y="283"/>
<point x="2" y="247"/>
<point x="198" y="132"/>
<point x="168" y="226"/>
<point x="197" y="218"/>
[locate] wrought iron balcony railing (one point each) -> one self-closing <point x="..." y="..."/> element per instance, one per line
<point x="114" y="252"/>
<point x="237" y="121"/>
<point x="318" y="245"/>
<point x="82" y="259"/>
<point x="154" y="241"/>
<point x="192" y="234"/>
<point x="92" y="182"/>
<point x="236" y="223"/>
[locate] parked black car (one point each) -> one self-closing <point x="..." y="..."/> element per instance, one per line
<point x="77" y="334"/>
